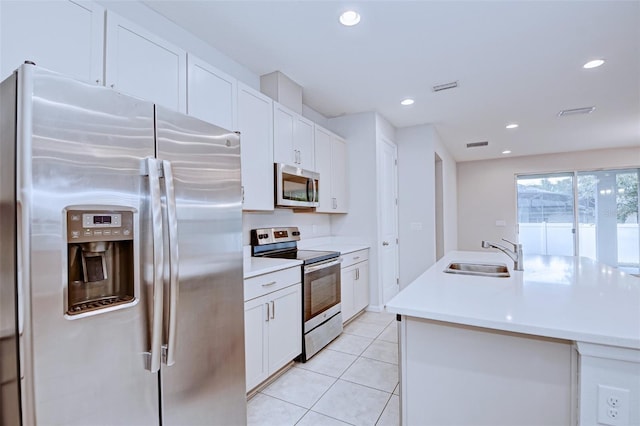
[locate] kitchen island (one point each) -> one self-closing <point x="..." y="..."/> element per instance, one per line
<point x="543" y="346"/>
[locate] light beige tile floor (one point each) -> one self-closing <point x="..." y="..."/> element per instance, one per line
<point x="353" y="381"/>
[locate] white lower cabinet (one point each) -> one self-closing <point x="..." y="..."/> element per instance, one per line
<point x="273" y="323"/>
<point x="354" y="282"/>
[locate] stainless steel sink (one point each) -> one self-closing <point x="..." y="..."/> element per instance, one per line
<point x="496" y="270"/>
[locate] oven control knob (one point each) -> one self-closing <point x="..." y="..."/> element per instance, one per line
<point x="295" y="233"/>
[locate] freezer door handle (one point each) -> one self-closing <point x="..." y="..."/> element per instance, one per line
<point x="174" y="283"/>
<point x="152" y="167"/>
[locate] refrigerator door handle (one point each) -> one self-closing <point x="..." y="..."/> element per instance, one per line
<point x="156" y="225"/>
<point x="174" y="283"/>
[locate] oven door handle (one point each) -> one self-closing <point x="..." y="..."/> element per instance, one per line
<point x="323" y="265"/>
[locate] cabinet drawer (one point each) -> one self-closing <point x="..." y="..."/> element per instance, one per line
<point x="355" y="257"/>
<point x="267" y="283"/>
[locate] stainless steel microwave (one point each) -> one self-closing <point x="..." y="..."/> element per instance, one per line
<point x="295" y="187"/>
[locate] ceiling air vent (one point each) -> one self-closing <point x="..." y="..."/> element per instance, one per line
<point x="477" y="144"/>
<point x="585" y="110"/>
<point x="446" y="86"/>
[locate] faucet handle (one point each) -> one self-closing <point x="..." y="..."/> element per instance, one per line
<point x="515" y="246"/>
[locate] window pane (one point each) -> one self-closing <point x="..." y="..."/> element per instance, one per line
<point x="545" y="214"/>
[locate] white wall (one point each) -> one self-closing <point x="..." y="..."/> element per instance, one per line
<point x="417" y="147"/>
<point x="487" y="189"/>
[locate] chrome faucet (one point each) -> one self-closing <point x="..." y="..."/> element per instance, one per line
<point x="515" y="254"/>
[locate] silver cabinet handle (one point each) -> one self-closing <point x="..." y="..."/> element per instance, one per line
<point x="273" y="309"/>
<point x="356" y="257"/>
<point x="357" y="274"/>
<point x="157" y="242"/>
<point x="335" y="203"/>
<point x="174" y="260"/>
<point x="269" y="284"/>
<point x="385" y="243"/>
<point x="267" y="318"/>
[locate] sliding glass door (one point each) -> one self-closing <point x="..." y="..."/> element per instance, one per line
<point x="546" y="214"/>
<point x="608" y="217"/>
<point x="592" y="214"/>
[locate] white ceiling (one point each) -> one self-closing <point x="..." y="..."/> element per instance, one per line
<point x="515" y="61"/>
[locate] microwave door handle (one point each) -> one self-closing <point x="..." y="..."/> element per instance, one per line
<point x="315" y="190"/>
<point x="174" y="282"/>
<point x="157" y="243"/>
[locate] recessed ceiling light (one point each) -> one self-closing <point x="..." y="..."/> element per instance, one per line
<point x="593" y="64"/>
<point x="350" y="18"/>
<point x="511" y="126"/>
<point x="407" y="101"/>
<point x="506" y="152"/>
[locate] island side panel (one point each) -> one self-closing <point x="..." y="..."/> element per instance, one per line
<point x="454" y="374"/>
<point x="603" y="368"/>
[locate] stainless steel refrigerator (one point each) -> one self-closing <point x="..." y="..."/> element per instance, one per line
<point x="121" y="260"/>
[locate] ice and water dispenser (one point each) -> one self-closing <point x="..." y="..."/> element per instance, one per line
<point x="100" y="253"/>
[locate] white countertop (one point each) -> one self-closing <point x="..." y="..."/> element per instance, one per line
<point x="562" y="297"/>
<point x="254" y="266"/>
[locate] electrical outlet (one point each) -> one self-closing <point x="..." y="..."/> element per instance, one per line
<point x="613" y="406"/>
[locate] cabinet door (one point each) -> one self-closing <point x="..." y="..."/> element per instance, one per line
<point x="143" y="65"/>
<point x="347" y="279"/>
<point x="361" y="286"/>
<point x="339" y="184"/>
<point x="285" y="326"/>
<point x="255" y="341"/>
<point x="303" y="142"/>
<point x="255" y="123"/>
<point x="211" y="94"/>
<point x="63" y="36"/>
<point x="283" y="124"/>
<point x="323" y="166"/>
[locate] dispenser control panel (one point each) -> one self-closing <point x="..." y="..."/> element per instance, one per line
<point x="101" y="271"/>
<point x="87" y="226"/>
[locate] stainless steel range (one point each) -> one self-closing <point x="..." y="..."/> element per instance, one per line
<point x="321" y="317"/>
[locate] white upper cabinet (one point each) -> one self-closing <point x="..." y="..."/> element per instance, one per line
<point x="292" y="138"/>
<point x="143" y="65"/>
<point x="211" y="94"/>
<point x="331" y="163"/>
<point x="255" y="123"/>
<point x="63" y="36"/>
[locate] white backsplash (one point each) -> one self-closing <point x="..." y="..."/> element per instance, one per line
<point x="312" y="225"/>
